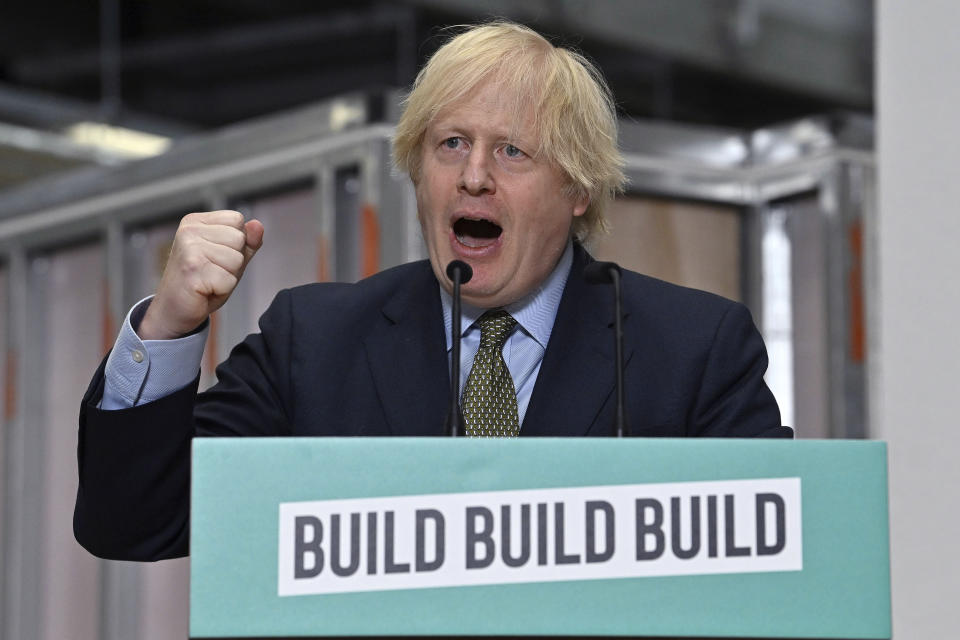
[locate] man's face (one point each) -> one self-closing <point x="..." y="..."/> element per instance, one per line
<point x="484" y="199"/>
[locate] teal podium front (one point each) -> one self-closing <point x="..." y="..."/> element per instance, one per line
<point x="650" y="538"/>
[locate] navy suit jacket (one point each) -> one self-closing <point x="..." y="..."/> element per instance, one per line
<point x="369" y="359"/>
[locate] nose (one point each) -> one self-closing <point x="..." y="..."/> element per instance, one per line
<point x="475" y="176"/>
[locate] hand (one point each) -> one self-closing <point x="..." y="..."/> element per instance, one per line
<point x="209" y="254"/>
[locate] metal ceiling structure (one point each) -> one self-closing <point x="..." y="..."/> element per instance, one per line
<point x="176" y="68"/>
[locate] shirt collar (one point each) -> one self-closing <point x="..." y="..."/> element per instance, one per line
<point x="535" y="313"/>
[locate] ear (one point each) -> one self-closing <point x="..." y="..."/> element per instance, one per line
<point x="580" y="203"/>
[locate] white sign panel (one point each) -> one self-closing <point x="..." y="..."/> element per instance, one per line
<point x="540" y="535"/>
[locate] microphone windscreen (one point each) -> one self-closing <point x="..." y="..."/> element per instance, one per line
<point x="465" y="271"/>
<point x="599" y="272"/>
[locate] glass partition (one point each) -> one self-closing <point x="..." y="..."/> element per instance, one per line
<point x="289" y="255"/>
<point x="688" y="243"/>
<point x="69" y="281"/>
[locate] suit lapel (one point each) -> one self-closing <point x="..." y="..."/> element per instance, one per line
<point x="407" y="357"/>
<point x="576" y="378"/>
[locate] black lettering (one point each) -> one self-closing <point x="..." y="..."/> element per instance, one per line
<point x="520" y="560"/>
<point x="372" y="543"/>
<point x="483" y="537"/>
<point x="712" y="526"/>
<point x="389" y="564"/>
<point x="559" y="556"/>
<point x="763" y="499"/>
<point x="542" y="534"/>
<point x="675" y="528"/>
<point x="728" y="533"/>
<point x="595" y="507"/>
<point x="654" y="528"/>
<point x="303" y="547"/>
<point x="422" y="516"/>
<point x="335" y="565"/>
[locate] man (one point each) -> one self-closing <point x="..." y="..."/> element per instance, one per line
<point x="511" y="146"/>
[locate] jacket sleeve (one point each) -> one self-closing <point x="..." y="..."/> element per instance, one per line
<point x="134" y="465"/>
<point x="133" y="497"/>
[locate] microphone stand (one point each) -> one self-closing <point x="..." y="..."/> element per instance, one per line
<point x="609" y="273"/>
<point x="459" y="273"/>
<point x="620" y="421"/>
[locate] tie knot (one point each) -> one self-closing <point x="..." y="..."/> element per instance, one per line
<point x="495" y="326"/>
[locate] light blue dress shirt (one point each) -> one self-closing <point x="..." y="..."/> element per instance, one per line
<point x="524" y="349"/>
<point x="141" y="371"/>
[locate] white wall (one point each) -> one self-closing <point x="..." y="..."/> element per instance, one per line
<point x="918" y="75"/>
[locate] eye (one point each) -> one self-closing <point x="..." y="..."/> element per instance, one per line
<point x="452" y="143"/>
<point x="513" y="152"/>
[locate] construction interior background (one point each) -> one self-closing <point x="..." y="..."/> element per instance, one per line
<point x="750" y="130"/>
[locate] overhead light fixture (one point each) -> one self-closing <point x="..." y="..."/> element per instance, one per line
<point x="117" y="140"/>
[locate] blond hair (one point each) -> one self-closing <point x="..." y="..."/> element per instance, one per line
<point x="574" y="114"/>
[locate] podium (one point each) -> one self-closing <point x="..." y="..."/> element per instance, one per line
<point x="648" y="538"/>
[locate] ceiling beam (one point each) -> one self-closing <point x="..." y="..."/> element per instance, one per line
<point x="799" y="49"/>
<point x="227" y="42"/>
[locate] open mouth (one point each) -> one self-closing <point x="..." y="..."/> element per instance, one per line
<point x="476" y="233"/>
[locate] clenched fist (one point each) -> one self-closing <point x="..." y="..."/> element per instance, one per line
<point x="209" y="254"/>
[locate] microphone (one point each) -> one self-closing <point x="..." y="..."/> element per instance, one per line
<point x="609" y="273"/>
<point x="459" y="273"/>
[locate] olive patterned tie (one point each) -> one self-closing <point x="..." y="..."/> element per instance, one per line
<point x="489" y="398"/>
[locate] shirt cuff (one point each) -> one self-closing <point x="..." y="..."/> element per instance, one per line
<point x="141" y="371"/>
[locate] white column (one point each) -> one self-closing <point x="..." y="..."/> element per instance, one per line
<point x="918" y="389"/>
